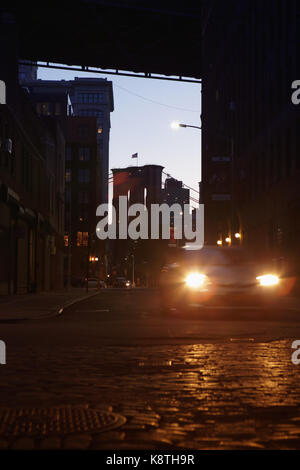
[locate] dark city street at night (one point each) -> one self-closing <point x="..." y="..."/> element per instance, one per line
<point x="149" y="230"/>
<point x="222" y="382"/>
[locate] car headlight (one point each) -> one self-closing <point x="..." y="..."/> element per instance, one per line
<point x="268" y="280"/>
<point x="195" y="280"/>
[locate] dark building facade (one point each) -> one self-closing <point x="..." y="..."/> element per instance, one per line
<point x="250" y="144"/>
<point x="31" y="183"/>
<point x="175" y="193"/>
<point x="56" y="104"/>
<point x="82" y="179"/>
<point x="27" y="72"/>
<point x="31" y="201"/>
<point x="85" y="97"/>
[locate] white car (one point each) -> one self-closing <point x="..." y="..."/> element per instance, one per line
<point x="218" y="276"/>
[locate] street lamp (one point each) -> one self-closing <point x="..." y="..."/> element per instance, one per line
<point x="133" y="281"/>
<point x="176" y="125"/>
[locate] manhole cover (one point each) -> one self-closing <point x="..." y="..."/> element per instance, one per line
<point x="59" y="420"/>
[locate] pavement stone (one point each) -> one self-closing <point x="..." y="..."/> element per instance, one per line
<point x="191" y="406"/>
<point x="23" y="443"/>
<point x="3" y="444"/>
<point x="213" y="395"/>
<point x="51" y="443"/>
<point x="79" y="442"/>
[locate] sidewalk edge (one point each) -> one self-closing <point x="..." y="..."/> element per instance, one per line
<point x="56" y="311"/>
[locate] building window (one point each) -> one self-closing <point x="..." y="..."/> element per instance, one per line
<point x="57" y="111"/>
<point x="43" y="109"/>
<point x="84" y="154"/>
<point x="91" y="98"/>
<point x="68" y="175"/>
<point x="67" y="218"/>
<point x="83" y="197"/>
<point x="91" y="112"/>
<point x="100" y="129"/>
<point x="84" y="175"/>
<point x="66" y="240"/>
<point x="68" y="195"/>
<point x="68" y="153"/>
<point x="82" y="238"/>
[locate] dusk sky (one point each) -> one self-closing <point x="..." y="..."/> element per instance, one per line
<point x="140" y="124"/>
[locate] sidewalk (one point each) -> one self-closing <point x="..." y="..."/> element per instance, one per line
<point x="42" y="305"/>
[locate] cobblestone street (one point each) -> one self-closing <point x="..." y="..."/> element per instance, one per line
<point x="180" y="383"/>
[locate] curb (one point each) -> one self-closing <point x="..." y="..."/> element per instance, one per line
<point x="56" y="311"/>
<point x="60" y="309"/>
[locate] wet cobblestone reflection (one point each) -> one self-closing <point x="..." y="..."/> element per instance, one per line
<point x="223" y="395"/>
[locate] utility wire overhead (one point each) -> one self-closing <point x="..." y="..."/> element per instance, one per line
<point x="157" y="102"/>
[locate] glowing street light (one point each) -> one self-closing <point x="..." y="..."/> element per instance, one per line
<point x="237" y="235"/>
<point x="219" y="242"/>
<point x="175" y="125"/>
<point x="227" y="239"/>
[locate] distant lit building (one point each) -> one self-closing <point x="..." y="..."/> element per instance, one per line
<point x="140" y="185"/>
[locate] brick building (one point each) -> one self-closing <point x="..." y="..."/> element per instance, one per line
<point x="83" y="194"/>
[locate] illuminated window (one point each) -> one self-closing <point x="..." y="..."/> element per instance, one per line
<point x="68" y="175"/>
<point x="43" y="109"/>
<point x="82" y="238"/>
<point x="66" y="240"/>
<point x="100" y="130"/>
<point x="84" y="154"/>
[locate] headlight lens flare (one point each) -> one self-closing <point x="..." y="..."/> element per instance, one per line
<point x="268" y="280"/>
<point x="195" y="280"/>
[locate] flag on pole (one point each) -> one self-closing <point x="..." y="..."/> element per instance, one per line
<point x="135" y="155"/>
